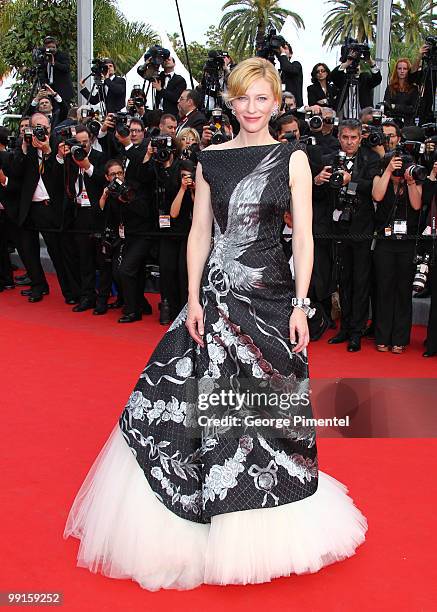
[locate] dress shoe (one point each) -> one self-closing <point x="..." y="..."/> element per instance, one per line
<point x="164" y="312"/>
<point x="100" y="309"/>
<point x="117" y="304"/>
<point x="429" y="354"/>
<point x="397" y="350"/>
<point x="354" y="344"/>
<point x="382" y="348"/>
<point x="130" y="318"/>
<point x="340" y="337"/>
<point x="35" y="297"/>
<point x="28" y="292"/>
<point x="146" y="308"/>
<point x="22" y="280"/>
<point x="71" y="301"/>
<point x="82" y="306"/>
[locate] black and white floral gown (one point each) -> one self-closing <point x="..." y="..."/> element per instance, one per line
<point x="213" y="490"/>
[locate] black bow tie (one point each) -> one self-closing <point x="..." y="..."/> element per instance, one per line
<point x="167" y="76"/>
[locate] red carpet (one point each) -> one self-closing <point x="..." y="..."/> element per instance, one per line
<point x="65" y="379"/>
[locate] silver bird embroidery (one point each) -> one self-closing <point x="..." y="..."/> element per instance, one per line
<point x="242" y="230"/>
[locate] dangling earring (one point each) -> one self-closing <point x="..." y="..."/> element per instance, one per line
<point x="233" y="111"/>
<point x="275" y="111"/>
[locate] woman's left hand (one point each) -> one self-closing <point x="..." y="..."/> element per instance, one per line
<point x="299" y="332"/>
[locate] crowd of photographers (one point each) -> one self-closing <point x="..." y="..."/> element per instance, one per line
<point x="110" y="185"/>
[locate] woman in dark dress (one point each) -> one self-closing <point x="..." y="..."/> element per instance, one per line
<point x="179" y="496"/>
<point x="401" y="97"/>
<point x="321" y="92"/>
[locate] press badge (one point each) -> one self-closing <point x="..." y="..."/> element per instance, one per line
<point x="387" y="231"/>
<point x="164" y="221"/>
<point x="121" y="230"/>
<point x="400" y="227"/>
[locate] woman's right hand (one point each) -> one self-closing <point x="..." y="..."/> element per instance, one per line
<point x="194" y="322"/>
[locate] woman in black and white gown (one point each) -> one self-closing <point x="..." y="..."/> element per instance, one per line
<point x="172" y="504"/>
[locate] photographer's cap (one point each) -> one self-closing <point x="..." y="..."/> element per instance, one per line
<point x="50" y="39"/>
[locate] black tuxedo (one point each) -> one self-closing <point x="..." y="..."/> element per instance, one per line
<point x="59" y="113"/>
<point x="367" y="81"/>
<point x="62" y="82"/>
<point x="316" y="93"/>
<point x="115" y="99"/>
<point x="171" y="94"/>
<point x="195" y="120"/>
<point x="292" y="77"/>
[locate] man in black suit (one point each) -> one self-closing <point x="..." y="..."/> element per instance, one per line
<point x="49" y="103"/>
<point x="366" y="84"/>
<point x="291" y="73"/>
<point x="83" y="187"/>
<point x="58" y="70"/>
<point x="168" y="87"/>
<point x="114" y="90"/>
<point x="38" y="207"/>
<point x="351" y="217"/>
<point x="189" y="115"/>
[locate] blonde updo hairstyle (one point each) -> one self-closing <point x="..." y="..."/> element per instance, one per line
<point x="248" y="71"/>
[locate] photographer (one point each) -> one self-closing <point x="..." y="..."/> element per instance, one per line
<point x="291" y="72"/>
<point x="39" y="207"/>
<point x="173" y="249"/>
<point x="423" y="74"/>
<point x="6" y="192"/>
<point x="348" y="73"/>
<point x="126" y="210"/>
<point x="114" y="87"/>
<point x="321" y="92"/>
<point x="188" y="144"/>
<point x="55" y="68"/>
<point x="189" y="115"/>
<point x="78" y="169"/>
<point x="347" y="180"/>
<point x="159" y="174"/>
<point x="168" y="87"/>
<point x="401" y="96"/>
<point x="398" y="200"/>
<point x="50" y="104"/>
<point x="323" y="134"/>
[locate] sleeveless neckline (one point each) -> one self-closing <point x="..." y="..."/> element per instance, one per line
<point x="272" y="144"/>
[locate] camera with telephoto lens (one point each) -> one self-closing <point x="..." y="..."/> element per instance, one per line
<point x="431" y="54"/>
<point x="39" y="131"/>
<point x="77" y="149"/>
<point x="270" y="46"/>
<point x="12" y="143"/>
<point x="122" y="121"/>
<point x="120" y="190"/>
<point x="421" y="275"/>
<point x="376" y="136"/>
<point x="164" y="148"/>
<point x="338" y="170"/>
<point x="314" y="121"/>
<point x="355" y="52"/>
<point x="407" y="151"/>
<point x="217" y="127"/>
<point x="90" y="118"/>
<point x="288" y="136"/>
<point x="347" y="201"/>
<point x="99" y="68"/>
<point x="153" y="60"/>
<point x="190" y="153"/>
<point x="66" y="132"/>
<point x="41" y="56"/>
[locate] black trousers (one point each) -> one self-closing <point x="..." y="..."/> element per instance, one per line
<point x="431" y="341"/>
<point x="129" y="271"/>
<point x="86" y="253"/>
<point x="321" y="284"/>
<point x="173" y="275"/>
<point x="354" y="284"/>
<point x="6" y="276"/>
<point x="394" y="269"/>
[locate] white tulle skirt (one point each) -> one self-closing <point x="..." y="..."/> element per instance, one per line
<point x="126" y="532"/>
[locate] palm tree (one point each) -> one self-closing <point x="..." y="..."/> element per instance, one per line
<point x="355" y="18"/>
<point x="245" y="26"/>
<point x="413" y="20"/>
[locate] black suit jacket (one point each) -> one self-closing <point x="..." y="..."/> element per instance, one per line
<point x="26" y="168"/>
<point x="195" y="120"/>
<point x="171" y="94"/>
<point x="316" y="93"/>
<point x="291" y="75"/>
<point x="115" y="99"/>
<point x="367" y="81"/>
<point x="62" y="82"/>
<point x="59" y="114"/>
